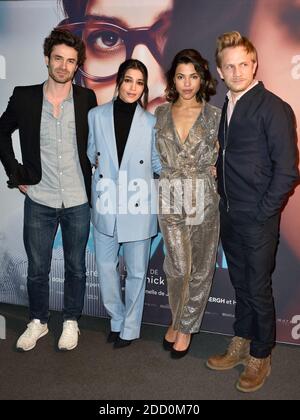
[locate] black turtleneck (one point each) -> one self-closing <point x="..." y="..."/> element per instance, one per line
<point x="123" y="116"/>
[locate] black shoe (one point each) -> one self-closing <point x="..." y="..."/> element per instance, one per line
<point x="178" y="354"/>
<point x="120" y="343"/>
<point x="112" y="336"/>
<point x="167" y="345"/>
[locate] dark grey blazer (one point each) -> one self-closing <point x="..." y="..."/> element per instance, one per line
<point x="24" y="113"/>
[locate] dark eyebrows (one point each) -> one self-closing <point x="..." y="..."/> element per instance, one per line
<point x="121" y="22"/>
<point x="191" y="74"/>
<point x="105" y="19"/>
<point x="60" y="56"/>
<point x="131" y="78"/>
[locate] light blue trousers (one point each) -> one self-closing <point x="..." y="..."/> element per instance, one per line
<point x="126" y="316"/>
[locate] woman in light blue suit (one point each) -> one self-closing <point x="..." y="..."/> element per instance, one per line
<point x="122" y="147"/>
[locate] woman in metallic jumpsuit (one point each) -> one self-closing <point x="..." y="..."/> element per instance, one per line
<point x="186" y="140"/>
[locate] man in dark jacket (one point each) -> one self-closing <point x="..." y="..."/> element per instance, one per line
<point x="56" y="178"/>
<point x="257" y="169"/>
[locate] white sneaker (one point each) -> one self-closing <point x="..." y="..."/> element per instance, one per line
<point x="35" y="330"/>
<point x="69" y="337"/>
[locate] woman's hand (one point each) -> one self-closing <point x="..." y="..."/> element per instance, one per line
<point x="213" y="171"/>
<point x="23" y="188"/>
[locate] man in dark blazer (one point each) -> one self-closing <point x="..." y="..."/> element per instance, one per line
<point x="55" y="177"/>
<point x="257" y="169"/>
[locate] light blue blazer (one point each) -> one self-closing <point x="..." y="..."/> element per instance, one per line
<point x="123" y="196"/>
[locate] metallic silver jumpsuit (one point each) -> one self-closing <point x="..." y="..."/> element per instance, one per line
<point x="191" y="238"/>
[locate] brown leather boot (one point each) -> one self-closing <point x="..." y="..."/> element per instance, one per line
<point x="237" y="353"/>
<point x="254" y="375"/>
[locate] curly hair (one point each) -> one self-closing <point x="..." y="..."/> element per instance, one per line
<point x="208" y="83"/>
<point x="61" y="36"/>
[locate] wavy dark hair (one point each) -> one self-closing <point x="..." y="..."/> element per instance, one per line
<point x="61" y="36"/>
<point x="137" y="65"/>
<point x="208" y="83"/>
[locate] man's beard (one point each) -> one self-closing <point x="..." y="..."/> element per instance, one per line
<point x="67" y="78"/>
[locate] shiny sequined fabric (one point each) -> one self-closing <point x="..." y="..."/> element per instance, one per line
<point x="191" y="238"/>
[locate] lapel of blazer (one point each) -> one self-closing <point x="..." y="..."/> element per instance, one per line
<point x="109" y="133"/>
<point x="80" y="112"/>
<point x="135" y="136"/>
<point x="36" y="105"/>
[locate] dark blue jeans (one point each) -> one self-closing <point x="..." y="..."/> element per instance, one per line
<point x="250" y="250"/>
<point x="40" y="227"/>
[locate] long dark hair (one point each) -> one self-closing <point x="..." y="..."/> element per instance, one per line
<point x="137" y="65"/>
<point x="208" y="83"/>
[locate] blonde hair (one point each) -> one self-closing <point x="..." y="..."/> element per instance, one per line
<point x="234" y="39"/>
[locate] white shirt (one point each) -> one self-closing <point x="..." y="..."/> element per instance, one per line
<point x="233" y="100"/>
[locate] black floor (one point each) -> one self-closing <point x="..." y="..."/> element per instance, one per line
<point x="142" y="371"/>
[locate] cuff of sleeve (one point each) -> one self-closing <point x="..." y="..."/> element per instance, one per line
<point x="12" y="181"/>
